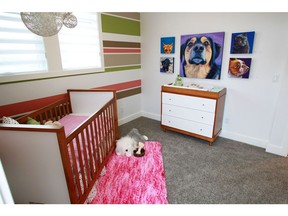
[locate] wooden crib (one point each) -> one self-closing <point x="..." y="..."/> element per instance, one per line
<point x="46" y="164"/>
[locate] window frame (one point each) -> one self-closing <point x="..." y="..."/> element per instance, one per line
<point x="54" y="64"/>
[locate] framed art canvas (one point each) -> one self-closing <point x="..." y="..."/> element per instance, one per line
<point x="167" y="45"/>
<point x="167" y="64"/>
<point x="201" y="55"/>
<point x="239" y="67"/>
<point x="242" y="42"/>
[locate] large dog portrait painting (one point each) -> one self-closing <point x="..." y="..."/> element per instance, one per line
<point x="201" y="55"/>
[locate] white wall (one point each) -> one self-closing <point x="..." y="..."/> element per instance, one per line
<point x="251" y="104"/>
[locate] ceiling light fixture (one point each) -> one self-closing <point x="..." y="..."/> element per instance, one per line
<point x="47" y="24"/>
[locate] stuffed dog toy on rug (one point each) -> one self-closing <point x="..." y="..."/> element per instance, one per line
<point x="127" y="144"/>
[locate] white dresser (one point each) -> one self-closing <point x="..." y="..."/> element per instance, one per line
<point x="193" y="112"/>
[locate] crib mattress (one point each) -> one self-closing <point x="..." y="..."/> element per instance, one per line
<point x="72" y="121"/>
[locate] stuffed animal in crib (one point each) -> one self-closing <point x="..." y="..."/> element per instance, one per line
<point x="133" y="141"/>
<point x="55" y="123"/>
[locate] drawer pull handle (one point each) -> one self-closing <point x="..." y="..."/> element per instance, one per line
<point x="169" y="110"/>
<point x="201" y="129"/>
<point x="202" y="117"/>
<point x="203" y="104"/>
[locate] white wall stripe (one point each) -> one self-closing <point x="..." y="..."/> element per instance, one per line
<point x="120" y="37"/>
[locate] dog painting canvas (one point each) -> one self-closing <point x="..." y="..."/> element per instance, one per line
<point x="201" y="55"/>
<point x="167" y="45"/>
<point x="242" y="42"/>
<point x="239" y="67"/>
<point x="167" y="64"/>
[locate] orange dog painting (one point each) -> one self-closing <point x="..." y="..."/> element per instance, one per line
<point x="168" y="48"/>
<point x="167" y="45"/>
<point x="239" y="67"/>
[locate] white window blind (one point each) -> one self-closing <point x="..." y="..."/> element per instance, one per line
<point x="20" y="50"/>
<point x="80" y="47"/>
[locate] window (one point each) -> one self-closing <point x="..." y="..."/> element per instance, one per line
<point x="20" y="50"/>
<point x="27" y="55"/>
<point x="79" y="49"/>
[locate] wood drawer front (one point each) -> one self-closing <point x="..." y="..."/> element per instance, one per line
<point x="189" y="101"/>
<point x="189" y="114"/>
<point x="186" y="125"/>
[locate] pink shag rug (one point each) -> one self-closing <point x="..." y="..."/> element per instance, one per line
<point x="134" y="180"/>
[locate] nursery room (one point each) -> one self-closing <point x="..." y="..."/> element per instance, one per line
<point x="141" y="108"/>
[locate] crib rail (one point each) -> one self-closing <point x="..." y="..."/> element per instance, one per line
<point x="88" y="149"/>
<point x="53" y="112"/>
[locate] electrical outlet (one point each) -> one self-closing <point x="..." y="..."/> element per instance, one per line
<point x="227" y="120"/>
<point x="276" y="77"/>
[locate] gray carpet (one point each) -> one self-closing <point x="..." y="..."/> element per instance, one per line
<point x="228" y="172"/>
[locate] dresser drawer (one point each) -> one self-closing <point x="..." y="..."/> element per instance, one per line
<point x="189" y="126"/>
<point x="189" y="114"/>
<point x="189" y="102"/>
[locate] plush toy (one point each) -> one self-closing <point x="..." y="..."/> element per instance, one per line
<point x="32" y="121"/>
<point x="129" y="143"/>
<point x="55" y="123"/>
<point x="8" y="120"/>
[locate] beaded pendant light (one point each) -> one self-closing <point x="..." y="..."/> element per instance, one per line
<point x="47" y="24"/>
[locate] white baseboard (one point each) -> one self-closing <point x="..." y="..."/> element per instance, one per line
<point x="137" y="115"/>
<point x="129" y="118"/>
<point x="245" y="139"/>
<point x="151" y="116"/>
<point x="276" y="150"/>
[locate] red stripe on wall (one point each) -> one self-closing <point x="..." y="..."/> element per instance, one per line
<point x="28" y="106"/>
<point x="122" y="86"/>
<point x="116" y="50"/>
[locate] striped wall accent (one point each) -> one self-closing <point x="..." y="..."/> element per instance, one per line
<point x="121" y="41"/>
<point x="123" y="90"/>
<point x="122" y="51"/>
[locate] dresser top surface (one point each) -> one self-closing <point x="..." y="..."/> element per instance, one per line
<point x="196" y="90"/>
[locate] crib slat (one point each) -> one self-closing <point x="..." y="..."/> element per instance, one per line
<point x="93" y="149"/>
<point x="80" y="161"/>
<point x="106" y="131"/>
<point x="102" y="136"/>
<point x="101" y="147"/>
<point x="109" y="126"/>
<point x="86" y="164"/>
<point x="97" y="146"/>
<point x="75" y="170"/>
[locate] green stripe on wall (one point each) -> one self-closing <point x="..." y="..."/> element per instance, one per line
<point x="116" y="25"/>
<point x="129" y="15"/>
<point x="122" y="68"/>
